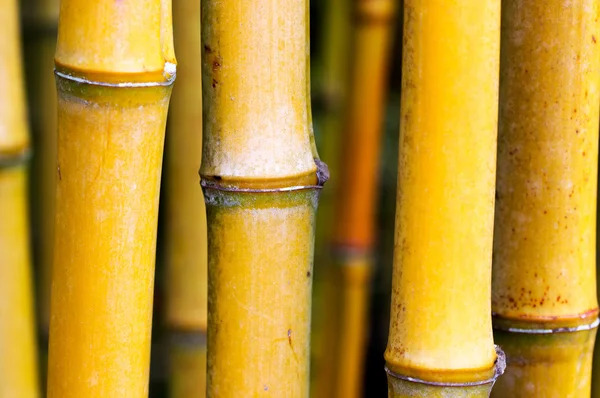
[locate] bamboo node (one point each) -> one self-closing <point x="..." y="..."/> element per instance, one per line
<point x="499" y="367"/>
<point x="15" y="159"/>
<point x="537" y="327"/>
<point x="82" y="80"/>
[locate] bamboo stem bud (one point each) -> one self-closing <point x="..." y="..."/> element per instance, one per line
<point x="440" y="326"/>
<point x="115" y="69"/>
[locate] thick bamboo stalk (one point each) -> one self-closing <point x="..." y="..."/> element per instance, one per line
<point x="440" y="326"/>
<point x="261" y="185"/>
<point x="354" y="236"/>
<point x="115" y="67"/>
<point x="41" y="19"/>
<point x="18" y="367"/>
<point x="185" y="221"/>
<point x="544" y="260"/>
<point x="333" y="92"/>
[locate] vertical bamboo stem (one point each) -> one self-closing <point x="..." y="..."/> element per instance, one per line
<point x="334" y="81"/>
<point x="261" y="185"/>
<point x="185" y="221"/>
<point x="115" y="68"/>
<point x="357" y="190"/>
<point x="544" y="277"/>
<point x="41" y="19"/>
<point x="440" y="328"/>
<point x="18" y="368"/>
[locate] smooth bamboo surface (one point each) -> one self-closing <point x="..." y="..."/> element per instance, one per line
<point x="261" y="187"/>
<point x="185" y="218"/>
<point x="115" y="67"/>
<point x="41" y="20"/>
<point x="355" y="218"/>
<point x="440" y="327"/>
<point x="18" y="359"/>
<point x="18" y="365"/>
<point x="545" y="236"/>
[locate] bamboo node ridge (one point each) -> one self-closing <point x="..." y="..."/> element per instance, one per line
<point x="499" y="367"/>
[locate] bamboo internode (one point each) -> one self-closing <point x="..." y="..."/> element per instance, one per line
<point x="18" y="367"/>
<point x="115" y="67"/>
<point x="544" y="276"/>
<point x="261" y="186"/>
<point x="440" y="327"/>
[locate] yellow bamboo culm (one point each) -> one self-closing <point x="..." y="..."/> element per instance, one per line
<point x="544" y="277"/>
<point x="18" y="367"/>
<point x="41" y="20"/>
<point x="440" y="325"/>
<point x="261" y="185"/>
<point x="354" y="235"/>
<point x="185" y="221"/>
<point x="115" y="67"/>
<point x="334" y="86"/>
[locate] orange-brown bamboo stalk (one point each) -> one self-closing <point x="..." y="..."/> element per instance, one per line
<point x="333" y="79"/>
<point x="115" y="67"/>
<point x="544" y="281"/>
<point x="261" y="184"/>
<point x="185" y="220"/>
<point x="440" y="341"/>
<point x="18" y="368"/>
<point x="354" y="236"/>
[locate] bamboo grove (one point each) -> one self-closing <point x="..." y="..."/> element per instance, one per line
<point x="490" y="290"/>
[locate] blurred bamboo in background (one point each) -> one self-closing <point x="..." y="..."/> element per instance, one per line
<point x="40" y="22"/>
<point x="544" y="281"/>
<point x="356" y="195"/>
<point x="332" y="80"/>
<point x="261" y="185"/>
<point x="440" y="341"/>
<point x="185" y="221"/>
<point x="115" y="67"/>
<point x="18" y="367"/>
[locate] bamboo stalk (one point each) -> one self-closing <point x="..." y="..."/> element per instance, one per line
<point x="261" y="185"/>
<point x="544" y="277"/>
<point x="18" y="367"/>
<point x="333" y="81"/>
<point x="355" y="224"/>
<point x="41" y="19"/>
<point x="440" y="326"/>
<point x="185" y="221"/>
<point x="115" y="68"/>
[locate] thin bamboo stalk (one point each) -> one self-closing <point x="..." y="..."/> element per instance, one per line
<point x="544" y="277"/>
<point x="188" y="365"/>
<point x="333" y="81"/>
<point x="440" y="325"/>
<point x="41" y="19"/>
<point x="185" y="221"/>
<point x="355" y="224"/>
<point x="261" y="185"/>
<point x="115" y="68"/>
<point x="18" y="367"/>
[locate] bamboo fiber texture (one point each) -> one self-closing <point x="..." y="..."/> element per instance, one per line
<point x="440" y="327"/>
<point x="115" y="66"/>
<point x="261" y="188"/>
<point x="544" y="279"/>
